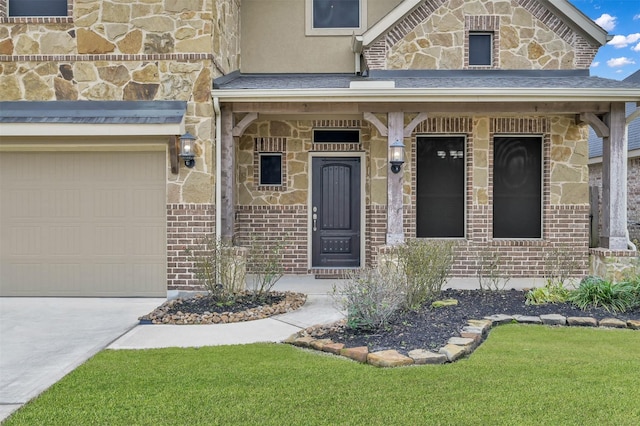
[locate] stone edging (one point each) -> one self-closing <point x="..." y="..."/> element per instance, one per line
<point x="470" y="338"/>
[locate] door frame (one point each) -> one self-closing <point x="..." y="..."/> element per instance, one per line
<point x="363" y="183"/>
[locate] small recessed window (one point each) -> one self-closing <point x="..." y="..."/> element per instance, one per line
<point x="270" y="169"/>
<point x="37" y="8"/>
<point x="480" y="48"/>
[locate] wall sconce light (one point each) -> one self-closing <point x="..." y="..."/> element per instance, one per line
<point x="187" y="142"/>
<point x="396" y="153"/>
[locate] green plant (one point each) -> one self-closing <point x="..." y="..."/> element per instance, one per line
<point x="370" y="297"/>
<point x="490" y="272"/>
<point x="264" y="261"/>
<point x="594" y="291"/>
<point x="552" y="292"/>
<point x="559" y="265"/>
<point x="218" y="268"/>
<point x="426" y="266"/>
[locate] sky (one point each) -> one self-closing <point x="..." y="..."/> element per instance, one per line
<point x="621" y="18"/>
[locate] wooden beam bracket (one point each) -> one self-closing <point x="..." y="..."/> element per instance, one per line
<point x="414" y="123"/>
<point x="173" y="154"/>
<point x="596" y="123"/>
<point x="371" y="118"/>
<point x="239" y="129"/>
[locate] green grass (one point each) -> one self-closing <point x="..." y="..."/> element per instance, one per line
<point x="521" y="375"/>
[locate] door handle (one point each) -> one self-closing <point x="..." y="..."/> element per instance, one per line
<point x="315" y="222"/>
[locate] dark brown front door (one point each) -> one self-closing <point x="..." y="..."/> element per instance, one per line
<point x="335" y="212"/>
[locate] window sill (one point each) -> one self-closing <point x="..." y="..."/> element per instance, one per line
<point x="36" y="20"/>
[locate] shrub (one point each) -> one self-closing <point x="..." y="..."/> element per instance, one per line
<point x="218" y="267"/>
<point x="594" y="291"/>
<point x="490" y="272"/>
<point x="264" y="261"/>
<point x="552" y="292"/>
<point x="371" y="297"/>
<point x="426" y="266"/>
<point x="559" y="265"/>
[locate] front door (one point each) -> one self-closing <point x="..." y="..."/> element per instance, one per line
<point x="335" y="212"/>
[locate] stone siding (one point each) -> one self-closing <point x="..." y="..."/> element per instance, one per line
<point x="633" y="194"/>
<point x="525" y="36"/>
<point x="264" y="211"/>
<point x="128" y="51"/>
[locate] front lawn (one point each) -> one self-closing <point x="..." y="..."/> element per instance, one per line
<point x="521" y="375"/>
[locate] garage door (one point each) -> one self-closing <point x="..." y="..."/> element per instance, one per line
<point x="82" y="224"/>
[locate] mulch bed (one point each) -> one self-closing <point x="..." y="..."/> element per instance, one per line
<point x="431" y="328"/>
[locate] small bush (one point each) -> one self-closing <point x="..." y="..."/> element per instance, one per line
<point x="490" y="272"/>
<point x="218" y="268"/>
<point x="560" y="264"/>
<point x="371" y="297"/>
<point x="264" y="261"/>
<point x="552" y="292"/>
<point x="426" y="266"/>
<point x="594" y="291"/>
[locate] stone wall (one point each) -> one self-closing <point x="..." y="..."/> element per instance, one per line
<point x="525" y="36"/>
<point x="633" y="194"/>
<point x="134" y="50"/>
<point x="282" y="211"/>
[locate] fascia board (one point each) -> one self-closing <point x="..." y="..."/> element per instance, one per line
<point x="582" y="21"/>
<point x="470" y="95"/>
<point x="88" y="129"/>
<point x="388" y="21"/>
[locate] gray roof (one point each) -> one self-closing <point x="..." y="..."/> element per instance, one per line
<point x="595" y="143"/>
<point x="93" y="112"/>
<point x="573" y="79"/>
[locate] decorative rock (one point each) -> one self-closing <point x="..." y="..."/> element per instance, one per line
<point x="452" y="352"/>
<point x="319" y="344"/>
<point x="612" y="322"/>
<point x="524" y="319"/>
<point x="499" y="319"/>
<point x="333" y="348"/>
<point x="357" y="354"/>
<point x="467" y="343"/>
<point x="476" y="337"/>
<point x="633" y="324"/>
<point x="423" y="356"/>
<point x="582" y="321"/>
<point x="485" y="325"/>
<point x="390" y="358"/>
<point x="443" y="303"/>
<point x="304" y="342"/>
<point x="553" y="319"/>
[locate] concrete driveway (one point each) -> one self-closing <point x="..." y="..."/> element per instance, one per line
<point x="43" y="339"/>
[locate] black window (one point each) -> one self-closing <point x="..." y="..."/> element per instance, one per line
<point x="336" y="136"/>
<point x="517" y="187"/>
<point x="480" y="48"/>
<point x="37" y="7"/>
<point x="440" y="186"/>
<point x="336" y="13"/>
<point x="270" y="169"/>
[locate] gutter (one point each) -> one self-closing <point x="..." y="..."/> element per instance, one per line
<point x="218" y="138"/>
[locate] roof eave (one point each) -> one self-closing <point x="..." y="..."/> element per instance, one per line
<point x="433" y="95"/>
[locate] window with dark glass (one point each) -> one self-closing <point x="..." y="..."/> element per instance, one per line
<point x="336" y="13"/>
<point x="440" y="189"/>
<point x="336" y="136"/>
<point x="37" y="8"/>
<point x="480" y="48"/>
<point x="270" y="169"/>
<point x="517" y="187"/>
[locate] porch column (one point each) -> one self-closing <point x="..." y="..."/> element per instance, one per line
<point x="614" y="180"/>
<point x="228" y="168"/>
<point x="395" y="231"/>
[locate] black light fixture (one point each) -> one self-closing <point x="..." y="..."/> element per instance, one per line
<point x="396" y="155"/>
<point x="187" y="142"/>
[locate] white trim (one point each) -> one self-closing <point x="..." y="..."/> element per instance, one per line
<point x="580" y="20"/>
<point x="87" y="129"/>
<point x="380" y="27"/>
<point x="81" y="147"/>
<point x="431" y="95"/>
<point x="311" y="31"/>
<point x="363" y="199"/>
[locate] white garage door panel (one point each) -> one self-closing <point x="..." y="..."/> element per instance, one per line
<point x="82" y="224"/>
